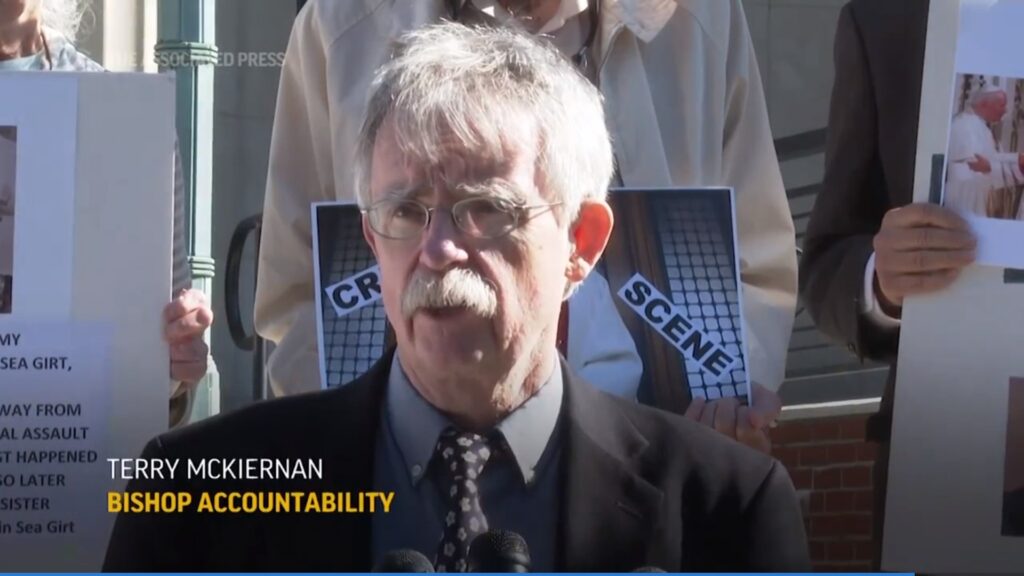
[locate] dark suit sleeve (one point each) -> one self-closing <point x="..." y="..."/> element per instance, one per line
<point x="157" y="542"/>
<point x="774" y="538"/>
<point x="850" y="207"/>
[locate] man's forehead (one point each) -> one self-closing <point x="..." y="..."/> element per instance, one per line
<point x="447" y="162"/>
<point x="477" y="143"/>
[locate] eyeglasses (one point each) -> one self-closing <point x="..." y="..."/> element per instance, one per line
<point x="478" y="217"/>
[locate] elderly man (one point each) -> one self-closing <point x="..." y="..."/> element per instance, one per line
<point x="976" y="167"/>
<point x="685" y="105"/>
<point x="482" y="169"/>
<point x="868" y="246"/>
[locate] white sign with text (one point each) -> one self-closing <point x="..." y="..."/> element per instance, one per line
<point x="54" y="411"/>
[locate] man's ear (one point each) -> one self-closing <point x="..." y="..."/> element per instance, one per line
<point x="368" y="235"/>
<point x="589" y="235"/>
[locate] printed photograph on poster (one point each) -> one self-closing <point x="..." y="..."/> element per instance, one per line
<point x="658" y="320"/>
<point x="1013" y="490"/>
<point x="985" y="175"/>
<point x="8" y="186"/>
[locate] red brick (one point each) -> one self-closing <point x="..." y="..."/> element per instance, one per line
<point x="867" y="452"/>
<point x="857" y="477"/>
<point x="792" y="433"/>
<point x="789" y="456"/>
<point x="801" y="478"/>
<point x="839" y="501"/>
<point x="814" y="456"/>
<point x="853" y="428"/>
<point x="864" y="550"/>
<point x="817" y="550"/>
<point x="817" y="502"/>
<point x="827" y="429"/>
<point x="857" y="525"/>
<point x="826" y="526"/>
<point x="839" y="552"/>
<point x="864" y="501"/>
<point x="843" y="525"/>
<point x="842" y="453"/>
<point x="827" y="479"/>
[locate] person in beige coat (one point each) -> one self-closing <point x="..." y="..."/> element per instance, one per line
<point x="684" y="103"/>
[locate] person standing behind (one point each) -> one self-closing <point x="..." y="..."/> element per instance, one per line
<point x="686" y="107"/>
<point x="484" y="162"/>
<point x="868" y="246"/>
<point x="37" y="35"/>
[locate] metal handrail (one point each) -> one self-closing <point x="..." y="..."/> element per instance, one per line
<point x="232" y="300"/>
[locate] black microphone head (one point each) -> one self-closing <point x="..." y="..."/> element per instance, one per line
<point x="499" y="551"/>
<point x="404" y="560"/>
<point x="649" y="569"/>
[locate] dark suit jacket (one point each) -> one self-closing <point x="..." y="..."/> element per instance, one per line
<point x="1013" y="513"/>
<point x="640" y="487"/>
<point x="869" y="169"/>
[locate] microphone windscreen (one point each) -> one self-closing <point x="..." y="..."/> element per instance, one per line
<point x="499" y="551"/>
<point x="404" y="561"/>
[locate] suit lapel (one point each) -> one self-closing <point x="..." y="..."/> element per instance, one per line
<point x="349" y="427"/>
<point x="608" y="509"/>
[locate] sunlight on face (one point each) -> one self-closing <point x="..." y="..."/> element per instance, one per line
<point x="460" y="303"/>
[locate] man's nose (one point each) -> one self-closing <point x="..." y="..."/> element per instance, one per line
<point x="442" y="243"/>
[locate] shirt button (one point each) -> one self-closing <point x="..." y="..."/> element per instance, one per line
<point x="417" y="470"/>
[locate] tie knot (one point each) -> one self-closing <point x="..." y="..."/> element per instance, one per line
<point x="462" y="455"/>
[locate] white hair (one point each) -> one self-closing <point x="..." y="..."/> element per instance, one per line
<point x="480" y="87"/>
<point x="63" y="16"/>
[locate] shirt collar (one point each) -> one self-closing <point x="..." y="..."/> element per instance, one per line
<point x="645" y="18"/>
<point x="416" y="424"/>
<point x="33" y="62"/>
<point x="566" y="10"/>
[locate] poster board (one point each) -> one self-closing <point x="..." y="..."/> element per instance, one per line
<point x="959" y="354"/>
<point x="85" y="375"/>
<point x="679" y="243"/>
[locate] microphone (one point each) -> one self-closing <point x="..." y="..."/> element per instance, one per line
<point x="499" y="551"/>
<point x="649" y="569"/>
<point x="404" y="560"/>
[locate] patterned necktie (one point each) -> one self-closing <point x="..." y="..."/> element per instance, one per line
<point x="460" y="457"/>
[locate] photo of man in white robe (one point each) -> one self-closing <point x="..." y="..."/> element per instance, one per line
<point x="8" y="156"/>
<point x="981" y="177"/>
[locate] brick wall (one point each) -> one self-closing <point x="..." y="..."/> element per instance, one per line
<point x="831" y="466"/>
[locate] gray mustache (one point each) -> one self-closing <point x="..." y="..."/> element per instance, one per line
<point x="456" y="288"/>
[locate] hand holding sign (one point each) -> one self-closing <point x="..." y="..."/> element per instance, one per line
<point x="745" y="424"/>
<point x="187" y="318"/>
<point x="921" y="248"/>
